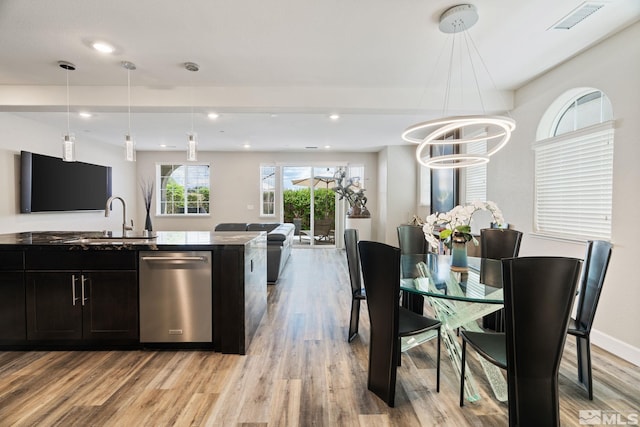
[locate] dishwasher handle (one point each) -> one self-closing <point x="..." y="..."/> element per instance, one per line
<point x="176" y="259"/>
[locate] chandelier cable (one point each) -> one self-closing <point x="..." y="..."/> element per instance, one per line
<point x="433" y="133"/>
<point x="129" y="98"/>
<point x="68" y="110"/>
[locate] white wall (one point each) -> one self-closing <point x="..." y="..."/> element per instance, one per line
<point x="613" y="67"/>
<point x="398" y="190"/>
<point x="235" y="182"/>
<point x="23" y="134"/>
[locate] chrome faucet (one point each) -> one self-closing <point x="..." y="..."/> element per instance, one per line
<point x="107" y="209"/>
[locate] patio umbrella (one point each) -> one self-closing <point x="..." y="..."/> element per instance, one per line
<point x="316" y="181"/>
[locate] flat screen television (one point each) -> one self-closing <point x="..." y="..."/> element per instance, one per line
<point x="49" y="184"/>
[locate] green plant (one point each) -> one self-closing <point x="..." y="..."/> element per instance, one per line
<point x="297" y="204"/>
<point x="174" y="197"/>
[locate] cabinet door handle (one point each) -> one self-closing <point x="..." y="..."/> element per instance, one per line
<point x="73" y="289"/>
<point x="82" y="281"/>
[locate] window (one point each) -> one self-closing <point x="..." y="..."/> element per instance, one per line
<point x="574" y="171"/>
<point x="582" y="112"/>
<point x="476" y="176"/>
<point x="183" y="189"/>
<point x="267" y="190"/>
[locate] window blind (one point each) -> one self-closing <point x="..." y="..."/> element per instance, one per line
<point x="573" y="183"/>
<point x="476" y="176"/>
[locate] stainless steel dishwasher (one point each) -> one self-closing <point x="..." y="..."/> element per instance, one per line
<point x="175" y="297"/>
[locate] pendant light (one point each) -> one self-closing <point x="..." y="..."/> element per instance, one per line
<point x="129" y="143"/>
<point x="496" y="129"/>
<point x="68" y="139"/>
<point x="192" y="142"/>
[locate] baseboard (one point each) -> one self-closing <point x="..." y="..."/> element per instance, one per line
<point x="613" y="345"/>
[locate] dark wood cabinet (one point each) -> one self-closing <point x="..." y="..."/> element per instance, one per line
<point x="54" y="310"/>
<point x="239" y="295"/>
<point x="110" y="311"/>
<point x="59" y="292"/>
<point x="12" y="294"/>
<point x="85" y="305"/>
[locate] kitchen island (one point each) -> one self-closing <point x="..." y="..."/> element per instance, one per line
<point x="73" y="289"/>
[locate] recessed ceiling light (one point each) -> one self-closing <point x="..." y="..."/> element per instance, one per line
<point x="103" y="47"/>
<point x="334" y="116"/>
<point x="213" y="116"/>
<point x="85" y="114"/>
<point x="246" y="145"/>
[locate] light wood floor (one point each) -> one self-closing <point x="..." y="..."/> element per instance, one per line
<point x="299" y="371"/>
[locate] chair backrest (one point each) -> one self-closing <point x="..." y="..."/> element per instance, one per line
<point x="231" y="226"/>
<point x="411" y="242"/>
<point x="262" y="226"/>
<point x="353" y="259"/>
<point x="323" y="226"/>
<point x="411" y="239"/>
<point x="594" y="270"/>
<point x="538" y="295"/>
<point x="498" y="243"/>
<point x="381" y="275"/>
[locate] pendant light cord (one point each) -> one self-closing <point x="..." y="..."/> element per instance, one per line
<point x="192" y="106"/>
<point x="68" y="113"/>
<point x="129" y="99"/>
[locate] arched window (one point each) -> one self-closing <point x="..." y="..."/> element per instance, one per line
<point x="586" y="110"/>
<point x="574" y="167"/>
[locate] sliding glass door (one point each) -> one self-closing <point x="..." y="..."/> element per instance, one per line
<point x="309" y="203"/>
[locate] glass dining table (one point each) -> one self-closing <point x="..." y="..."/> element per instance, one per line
<point x="458" y="298"/>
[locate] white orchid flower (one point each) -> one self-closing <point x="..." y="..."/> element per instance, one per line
<point x="458" y="216"/>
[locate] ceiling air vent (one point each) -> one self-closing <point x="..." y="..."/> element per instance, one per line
<point x="577" y="15"/>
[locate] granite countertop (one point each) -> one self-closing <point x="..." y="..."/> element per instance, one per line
<point x="158" y="240"/>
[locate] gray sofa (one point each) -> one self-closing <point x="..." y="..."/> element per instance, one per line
<point x="279" y="242"/>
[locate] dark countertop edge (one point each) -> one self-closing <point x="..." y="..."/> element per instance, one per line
<point x="12" y="241"/>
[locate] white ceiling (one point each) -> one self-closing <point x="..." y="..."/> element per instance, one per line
<point x="275" y="69"/>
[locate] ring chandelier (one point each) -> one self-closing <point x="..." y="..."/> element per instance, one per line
<point x="427" y="134"/>
<point x="496" y="130"/>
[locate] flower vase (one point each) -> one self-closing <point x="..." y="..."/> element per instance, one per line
<point x="458" y="252"/>
<point x="147" y="223"/>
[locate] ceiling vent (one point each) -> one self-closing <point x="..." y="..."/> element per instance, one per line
<point x="577" y="15"/>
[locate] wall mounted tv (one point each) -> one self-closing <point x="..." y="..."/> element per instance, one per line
<point x="49" y="184"/>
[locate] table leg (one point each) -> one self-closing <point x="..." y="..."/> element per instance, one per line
<point x="458" y="314"/>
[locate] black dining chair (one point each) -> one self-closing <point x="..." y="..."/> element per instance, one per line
<point x="411" y="241"/>
<point x="594" y="270"/>
<point x="538" y="296"/>
<point x="497" y="243"/>
<point x="388" y="320"/>
<point x="357" y="292"/>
